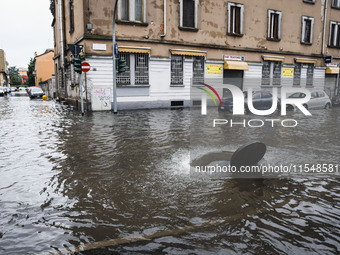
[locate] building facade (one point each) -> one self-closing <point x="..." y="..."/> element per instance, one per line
<point x="43" y="66"/>
<point x="23" y="74"/>
<point x="170" y="44"/>
<point x="4" y="75"/>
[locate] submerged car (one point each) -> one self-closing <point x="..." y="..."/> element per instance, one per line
<point x="20" y="92"/>
<point x="35" y="92"/>
<point x="262" y="100"/>
<point x="6" y="90"/>
<point x="319" y="99"/>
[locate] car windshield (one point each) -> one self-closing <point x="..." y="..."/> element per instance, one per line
<point x="227" y="94"/>
<point x="36" y="90"/>
<point x="297" y="95"/>
<point x="256" y="94"/>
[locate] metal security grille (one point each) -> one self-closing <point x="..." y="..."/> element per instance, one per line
<point x="310" y="74"/>
<point x="297" y="74"/>
<point x="141" y="68"/>
<point x="176" y="70"/>
<point x="198" y="70"/>
<point x="123" y="78"/>
<point x="271" y="73"/>
<point x="277" y="66"/>
<point x="265" y="73"/>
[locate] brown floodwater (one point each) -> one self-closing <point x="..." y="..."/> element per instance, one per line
<point x="121" y="184"/>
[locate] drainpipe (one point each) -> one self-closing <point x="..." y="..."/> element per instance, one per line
<point x="64" y="49"/>
<point x="324" y="29"/>
<point x="115" y="106"/>
<point x="164" y="21"/>
<point x="61" y="39"/>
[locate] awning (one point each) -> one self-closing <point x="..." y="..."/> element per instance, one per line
<point x="273" y="58"/>
<point x="332" y="70"/>
<point x="134" y="49"/>
<point x="189" y="53"/>
<point x="235" y="65"/>
<point x="305" y="60"/>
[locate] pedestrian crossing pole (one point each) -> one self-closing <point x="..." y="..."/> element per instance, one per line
<point x="76" y="50"/>
<point x="114" y="59"/>
<point x="81" y="94"/>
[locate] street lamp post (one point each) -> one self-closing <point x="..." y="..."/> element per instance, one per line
<point x="114" y="59"/>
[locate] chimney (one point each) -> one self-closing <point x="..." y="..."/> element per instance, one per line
<point x="35" y="54"/>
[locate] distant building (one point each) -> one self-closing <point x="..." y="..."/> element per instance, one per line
<point x="168" y="45"/>
<point x="23" y="74"/>
<point x="4" y="75"/>
<point x="43" y="66"/>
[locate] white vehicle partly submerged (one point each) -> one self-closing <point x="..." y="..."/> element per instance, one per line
<point x="319" y="100"/>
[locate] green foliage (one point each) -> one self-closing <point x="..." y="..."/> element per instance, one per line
<point x="52" y="7"/>
<point x="14" y="77"/>
<point x="30" y="73"/>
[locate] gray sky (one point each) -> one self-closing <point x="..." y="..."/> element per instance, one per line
<point x="25" y="27"/>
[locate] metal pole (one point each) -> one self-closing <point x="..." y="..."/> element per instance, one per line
<point x="81" y="94"/>
<point x="324" y="29"/>
<point x="114" y="59"/>
<point x="86" y="93"/>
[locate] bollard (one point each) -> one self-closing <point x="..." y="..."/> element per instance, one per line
<point x="44" y="97"/>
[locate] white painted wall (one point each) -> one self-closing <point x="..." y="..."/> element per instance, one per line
<point x="160" y="93"/>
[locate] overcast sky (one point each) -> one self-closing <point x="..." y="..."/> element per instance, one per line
<point x="25" y="28"/>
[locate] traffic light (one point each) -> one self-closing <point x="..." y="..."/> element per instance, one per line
<point x="77" y="64"/>
<point x="121" y="65"/>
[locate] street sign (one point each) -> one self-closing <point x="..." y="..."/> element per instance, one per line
<point x="75" y="49"/>
<point x="233" y="57"/>
<point x="116" y="49"/>
<point x="85" y="67"/>
<point x="328" y="59"/>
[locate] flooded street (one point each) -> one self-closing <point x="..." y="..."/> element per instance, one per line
<point x="122" y="183"/>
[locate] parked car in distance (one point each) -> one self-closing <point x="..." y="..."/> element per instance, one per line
<point x="13" y="89"/>
<point x="2" y="92"/>
<point x="262" y="100"/>
<point x="319" y="99"/>
<point x="35" y="92"/>
<point x="20" y="92"/>
<point x="6" y="90"/>
<point x="336" y="100"/>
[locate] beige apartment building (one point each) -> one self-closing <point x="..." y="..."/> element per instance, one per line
<point x="169" y="45"/>
<point x="43" y="66"/>
<point x="4" y="75"/>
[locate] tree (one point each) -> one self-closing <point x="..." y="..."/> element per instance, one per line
<point x="30" y="73"/>
<point x="14" y="77"/>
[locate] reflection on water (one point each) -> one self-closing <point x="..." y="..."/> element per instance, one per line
<point x="68" y="180"/>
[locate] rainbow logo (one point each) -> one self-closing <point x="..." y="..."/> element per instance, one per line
<point x="210" y="94"/>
